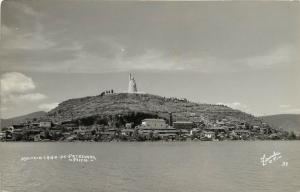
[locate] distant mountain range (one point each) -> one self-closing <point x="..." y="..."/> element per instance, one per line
<point x="19" y="119"/>
<point x="288" y="122"/>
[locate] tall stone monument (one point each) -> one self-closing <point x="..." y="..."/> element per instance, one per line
<point x="132" y="88"/>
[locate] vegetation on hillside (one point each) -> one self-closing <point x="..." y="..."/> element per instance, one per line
<point x="125" y="105"/>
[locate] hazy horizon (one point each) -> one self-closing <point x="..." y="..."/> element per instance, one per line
<point x="240" y="54"/>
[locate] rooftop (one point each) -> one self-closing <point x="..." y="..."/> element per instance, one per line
<point x="154" y="120"/>
<point x="185" y="122"/>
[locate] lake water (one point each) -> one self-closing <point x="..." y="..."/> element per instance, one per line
<point x="150" y="167"/>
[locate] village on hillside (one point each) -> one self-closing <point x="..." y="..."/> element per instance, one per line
<point x="146" y="128"/>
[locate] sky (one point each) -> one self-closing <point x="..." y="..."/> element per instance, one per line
<point x="240" y="54"/>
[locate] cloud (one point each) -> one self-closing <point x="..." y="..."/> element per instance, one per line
<point x="83" y="61"/>
<point x="13" y="39"/>
<point x="18" y="94"/>
<point x="237" y="105"/>
<point x="48" y="106"/>
<point x="21" y="7"/>
<point x="15" y="82"/>
<point x="5" y="31"/>
<point x="285" y="106"/>
<point x="106" y="42"/>
<point x="150" y="60"/>
<point x="32" y="97"/>
<point x="11" y="100"/>
<point x="27" y="9"/>
<point x="287" y="109"/>
<point x="26" y="32"/>
<point x="41" y="51"/>
<point x="293" y="110"/>
<point x="77" y="58"/>
<point x="22" y="10"/>
<point x="283" y="55"/>
<point x="17" y="88"/>
<point x="32" y="41"/>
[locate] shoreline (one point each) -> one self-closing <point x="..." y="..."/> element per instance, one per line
<point x="160" y="141"/>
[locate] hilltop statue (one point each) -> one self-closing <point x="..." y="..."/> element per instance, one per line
<point x="132" y="88"/>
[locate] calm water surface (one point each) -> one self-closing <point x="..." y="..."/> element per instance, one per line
<point x="150" y="167"/>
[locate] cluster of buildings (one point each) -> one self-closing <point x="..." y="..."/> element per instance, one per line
<point x="148" y="129"/>
<point x="224" y="129"/>
<point x="27" y="131"/>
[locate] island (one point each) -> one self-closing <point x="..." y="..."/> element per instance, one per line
<point x="138" y="116"/>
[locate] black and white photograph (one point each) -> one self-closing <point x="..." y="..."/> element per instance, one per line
<point x="149" y="96"/>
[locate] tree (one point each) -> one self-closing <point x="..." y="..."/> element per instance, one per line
<point x="292" y="135"/>
<point x="151" y="136"/>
